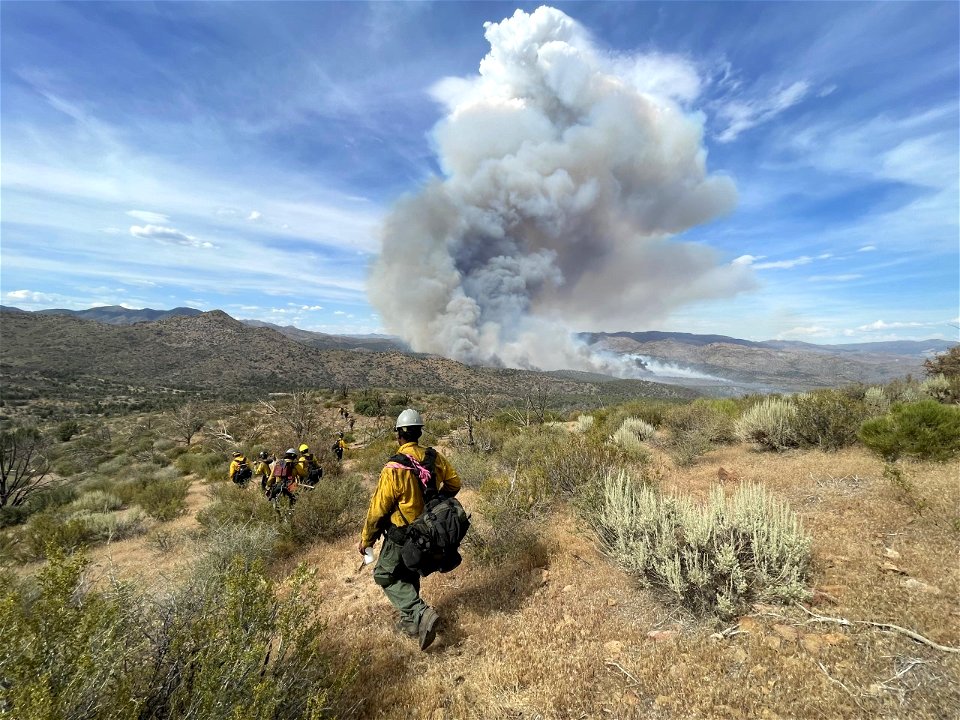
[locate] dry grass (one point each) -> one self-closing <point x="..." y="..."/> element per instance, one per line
<point x="557" y="631"/>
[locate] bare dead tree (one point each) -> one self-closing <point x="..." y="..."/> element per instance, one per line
<point x="23" y="465"/>
<point x="188" y="421"/>
<point x="475" y="407"/>
<point x="534" y="408"/>
<point x="299" y="415"/>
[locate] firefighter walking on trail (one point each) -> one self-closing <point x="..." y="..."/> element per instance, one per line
<point x="397" y="502"/>
<point x="240" y="471"/>
<point x="262" y="469"/>
<point x="283" y="479"/>
<point x="309" y="467"/>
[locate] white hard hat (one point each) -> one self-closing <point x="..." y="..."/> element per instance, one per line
<point x="409" y="418"/>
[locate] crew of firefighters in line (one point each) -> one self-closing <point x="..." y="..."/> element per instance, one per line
<point x="399" y="498"/>
<point x="278" y="477"/>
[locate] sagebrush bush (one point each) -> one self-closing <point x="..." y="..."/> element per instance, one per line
<point x="828" y="419"/>
<point x="925" y="430"/>
<point x="585" y="423"/>
<point x="937" y="387"/>
<point x="95" y="501"/>
<point x="716" y="558"/>
<point x="769" y="424"/>
<point x="112" y="526"/>
<point x="876" y="402"/>
<point x="630" y="442"/>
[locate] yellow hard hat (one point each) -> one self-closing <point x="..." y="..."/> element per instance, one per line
<point x="304" y="448"/>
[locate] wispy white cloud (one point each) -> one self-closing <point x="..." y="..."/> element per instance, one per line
<point x="747" y="259"/>
<point x="809" y="331"/>
<point x="867" y="248"/>
<point x="661" y="75"/>
<point x="168" y="235"/>
<point x="740" y="115"/>
<point x="783" y="264"/>
<point x="147" y="216"/>
<point x="311" y="308"/>
<point x="835" y="278"/>
<point x="254" y="215"/>
<point x="28" y="296"/>
<point x="880" y="325"/>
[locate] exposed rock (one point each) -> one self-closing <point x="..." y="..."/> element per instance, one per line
<point x="919" y="585"/>
<point x="787" y="632"/>
<point x="891" y="554"/>
<point x="891" y="568"/>
<point x="658" y="635"/>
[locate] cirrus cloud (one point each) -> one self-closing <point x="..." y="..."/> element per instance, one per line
<point x="167" y="235"/>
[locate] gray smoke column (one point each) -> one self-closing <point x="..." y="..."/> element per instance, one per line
<point x="567" y="172"/>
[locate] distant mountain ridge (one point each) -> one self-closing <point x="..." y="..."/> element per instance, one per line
<point x="216" y="353"/>
<point x="119" y="315"/>
<point x="771" y="365"/>
<point x="727" y="365"/>
<point x="911" y="348"/>
<point x="374" y="343"/>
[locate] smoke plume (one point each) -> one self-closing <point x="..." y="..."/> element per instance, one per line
<point x="567" y="174"/>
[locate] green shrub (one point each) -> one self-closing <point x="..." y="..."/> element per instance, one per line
<point x="769" y="424"/>
<point x="47" y="498"/>
<point x="687" y="446"/>
<point x="234" y="506"/>
<point x="717" y="558"/>
<point x="225" y="646"/>
<point x="66" y="430"/>
<point x="828" y="419"/>
<point x="206" y="465"/>
<point x="924" y="430"/>
<point x="370" y="403"/>
<point x="711" y="419"/>
<point x="47" y="529"/>
<point x="326" y="511"/>
<point x="60" y="657"/>
<point x="163" y="500"/>
<point x="473" y="467"/>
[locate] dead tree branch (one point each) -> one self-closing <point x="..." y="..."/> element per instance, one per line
<point x="814" y="617"/>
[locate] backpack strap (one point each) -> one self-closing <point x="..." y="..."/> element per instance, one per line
<point x="428" y="489"/>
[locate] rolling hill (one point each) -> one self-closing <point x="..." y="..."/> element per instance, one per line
<point x="214" y="353"/>
<point x="771" y="365"/>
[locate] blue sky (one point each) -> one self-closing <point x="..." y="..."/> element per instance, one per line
<point x="242" y="156"/>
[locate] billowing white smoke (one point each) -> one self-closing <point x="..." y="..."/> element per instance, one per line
<point x="567" y="173"/>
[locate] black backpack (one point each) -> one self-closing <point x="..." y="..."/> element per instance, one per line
<point x="429" y="544"/>
<point x="242" y="473"/>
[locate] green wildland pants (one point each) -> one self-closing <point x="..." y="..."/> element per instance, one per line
<point x="400" y="584"/>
